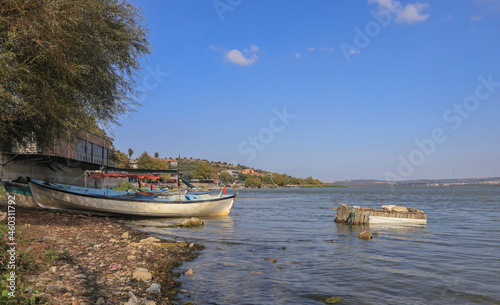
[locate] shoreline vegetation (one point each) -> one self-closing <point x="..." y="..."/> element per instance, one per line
<point x="80" y="259"/>
<point x="202" y="170"/>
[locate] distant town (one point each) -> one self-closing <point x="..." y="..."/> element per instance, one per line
<point x="491" y="181"/>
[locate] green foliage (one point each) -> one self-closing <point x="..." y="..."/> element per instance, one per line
<point x="226" y="178"/>
<point x="2" y="194"/>
<point x="253" y="181"/>
<point x="202" y="171"/>
<point x="124" y="186"/>
<point x="28" y="262"/>
<point x="145" y="161"/>
<point x="119" y="158"/>
<point x="243" y="177"/>
<point x="20" y="297"/>
<point x="266" y="180"/>
<point x="67" y="64"/>
<point x="130" y="152"/>
<point x="192" y="168"/>
<point x="278" y="179"/>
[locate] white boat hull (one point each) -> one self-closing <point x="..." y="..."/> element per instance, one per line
<point x="53" y="198"/>
<point x="21" y="194"/>
<point x="394" y="220"/>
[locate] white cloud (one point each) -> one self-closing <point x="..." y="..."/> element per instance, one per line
<point x="297" y="55"/>
<point x="252" y="49"/>
<point x="408" y="14"/>
<point x="326" y="49"/>
<point x="412" y="13"/>
<point x="447" y="17"/>
<point x="385" y="4"/>
<point x="237" y="57"/>
<point x="312" y="49"/>
<point x="475" y="18"/>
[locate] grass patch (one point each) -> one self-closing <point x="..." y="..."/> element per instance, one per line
<point x="125" y="186"/>
<point x="29" y="261"/>
<point x="2" y="194"/>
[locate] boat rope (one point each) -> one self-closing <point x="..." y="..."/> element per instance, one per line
<point x="76" y="179"/>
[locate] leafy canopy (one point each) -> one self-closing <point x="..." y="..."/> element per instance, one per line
<point x="65" y="64"/>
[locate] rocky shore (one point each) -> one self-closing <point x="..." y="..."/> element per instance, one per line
<point x="67" y="258"/>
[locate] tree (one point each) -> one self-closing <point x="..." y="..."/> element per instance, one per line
<point x="266" y="180"/>
<point x="66" y="64"/>
<point x="226" y="177"/>
<point x="253" y="181"/>
<point x="159" y="163"/>
<point x="119" y="158"/>
<point x="202" y="171"/>
<point x="130" y="152"/>
<point x="311" y="180"/>
<point x="157" y="155"/>
<point x="242" y="177"/>
<point x="145" y="161"/>
<point x="278" y="179"/>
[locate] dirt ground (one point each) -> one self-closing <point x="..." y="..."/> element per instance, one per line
<point x="84" y="259"/>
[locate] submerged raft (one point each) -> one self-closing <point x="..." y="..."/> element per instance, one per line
<point x="357" y="215"/>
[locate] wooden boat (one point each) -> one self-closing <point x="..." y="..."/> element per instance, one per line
<point x="20" y="192"/>
<point x="395" y="220"/>
<point x="59" y="196"/>
<point x="358" y="215"/>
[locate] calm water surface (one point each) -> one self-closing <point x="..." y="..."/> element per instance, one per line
<point x="454" y="259"/>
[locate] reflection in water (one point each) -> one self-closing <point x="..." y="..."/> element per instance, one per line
<point x="451" y="260"/>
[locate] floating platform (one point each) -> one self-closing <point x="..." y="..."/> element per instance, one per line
<point x="358" y="215"/>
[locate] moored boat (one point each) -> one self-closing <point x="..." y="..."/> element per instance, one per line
<point x="20" y="192"/>
<point x="59" y="196"/>
<point x="389" y="214"/>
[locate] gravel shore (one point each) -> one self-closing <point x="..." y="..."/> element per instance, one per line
<point x="83" y="259"/>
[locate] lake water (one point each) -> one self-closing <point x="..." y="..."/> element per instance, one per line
<point x="454" y="259"/>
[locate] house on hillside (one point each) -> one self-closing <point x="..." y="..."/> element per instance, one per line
<point x="248" y="171"/>
<point x="172" y="162"/>
<point x="233" y="173"/>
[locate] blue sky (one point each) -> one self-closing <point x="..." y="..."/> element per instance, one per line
<point x="375" y="89"/>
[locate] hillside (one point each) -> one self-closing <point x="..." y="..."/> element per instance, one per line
<point x="202" y="170"/>
<point x="419" y="182"/>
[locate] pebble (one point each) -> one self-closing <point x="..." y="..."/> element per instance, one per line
<point x="149" y="240"/>
<point x="189" y="272"/>
<point x="142" y="274"/>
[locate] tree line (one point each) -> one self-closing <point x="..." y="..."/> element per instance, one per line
<point x="203" y="169"/>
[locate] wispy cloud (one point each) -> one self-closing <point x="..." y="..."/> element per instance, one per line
<point x="312" y="49"/>
<point x="326" y="49"/>
<point x="475" y="18"/>
<point x="413" y="13"/>
<point x="409" y="14"/>
<point x="297" y="55"/>
<point x="246" y="57"/>
<point x="385" y="4"/>
<point x="447" y="17"/>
